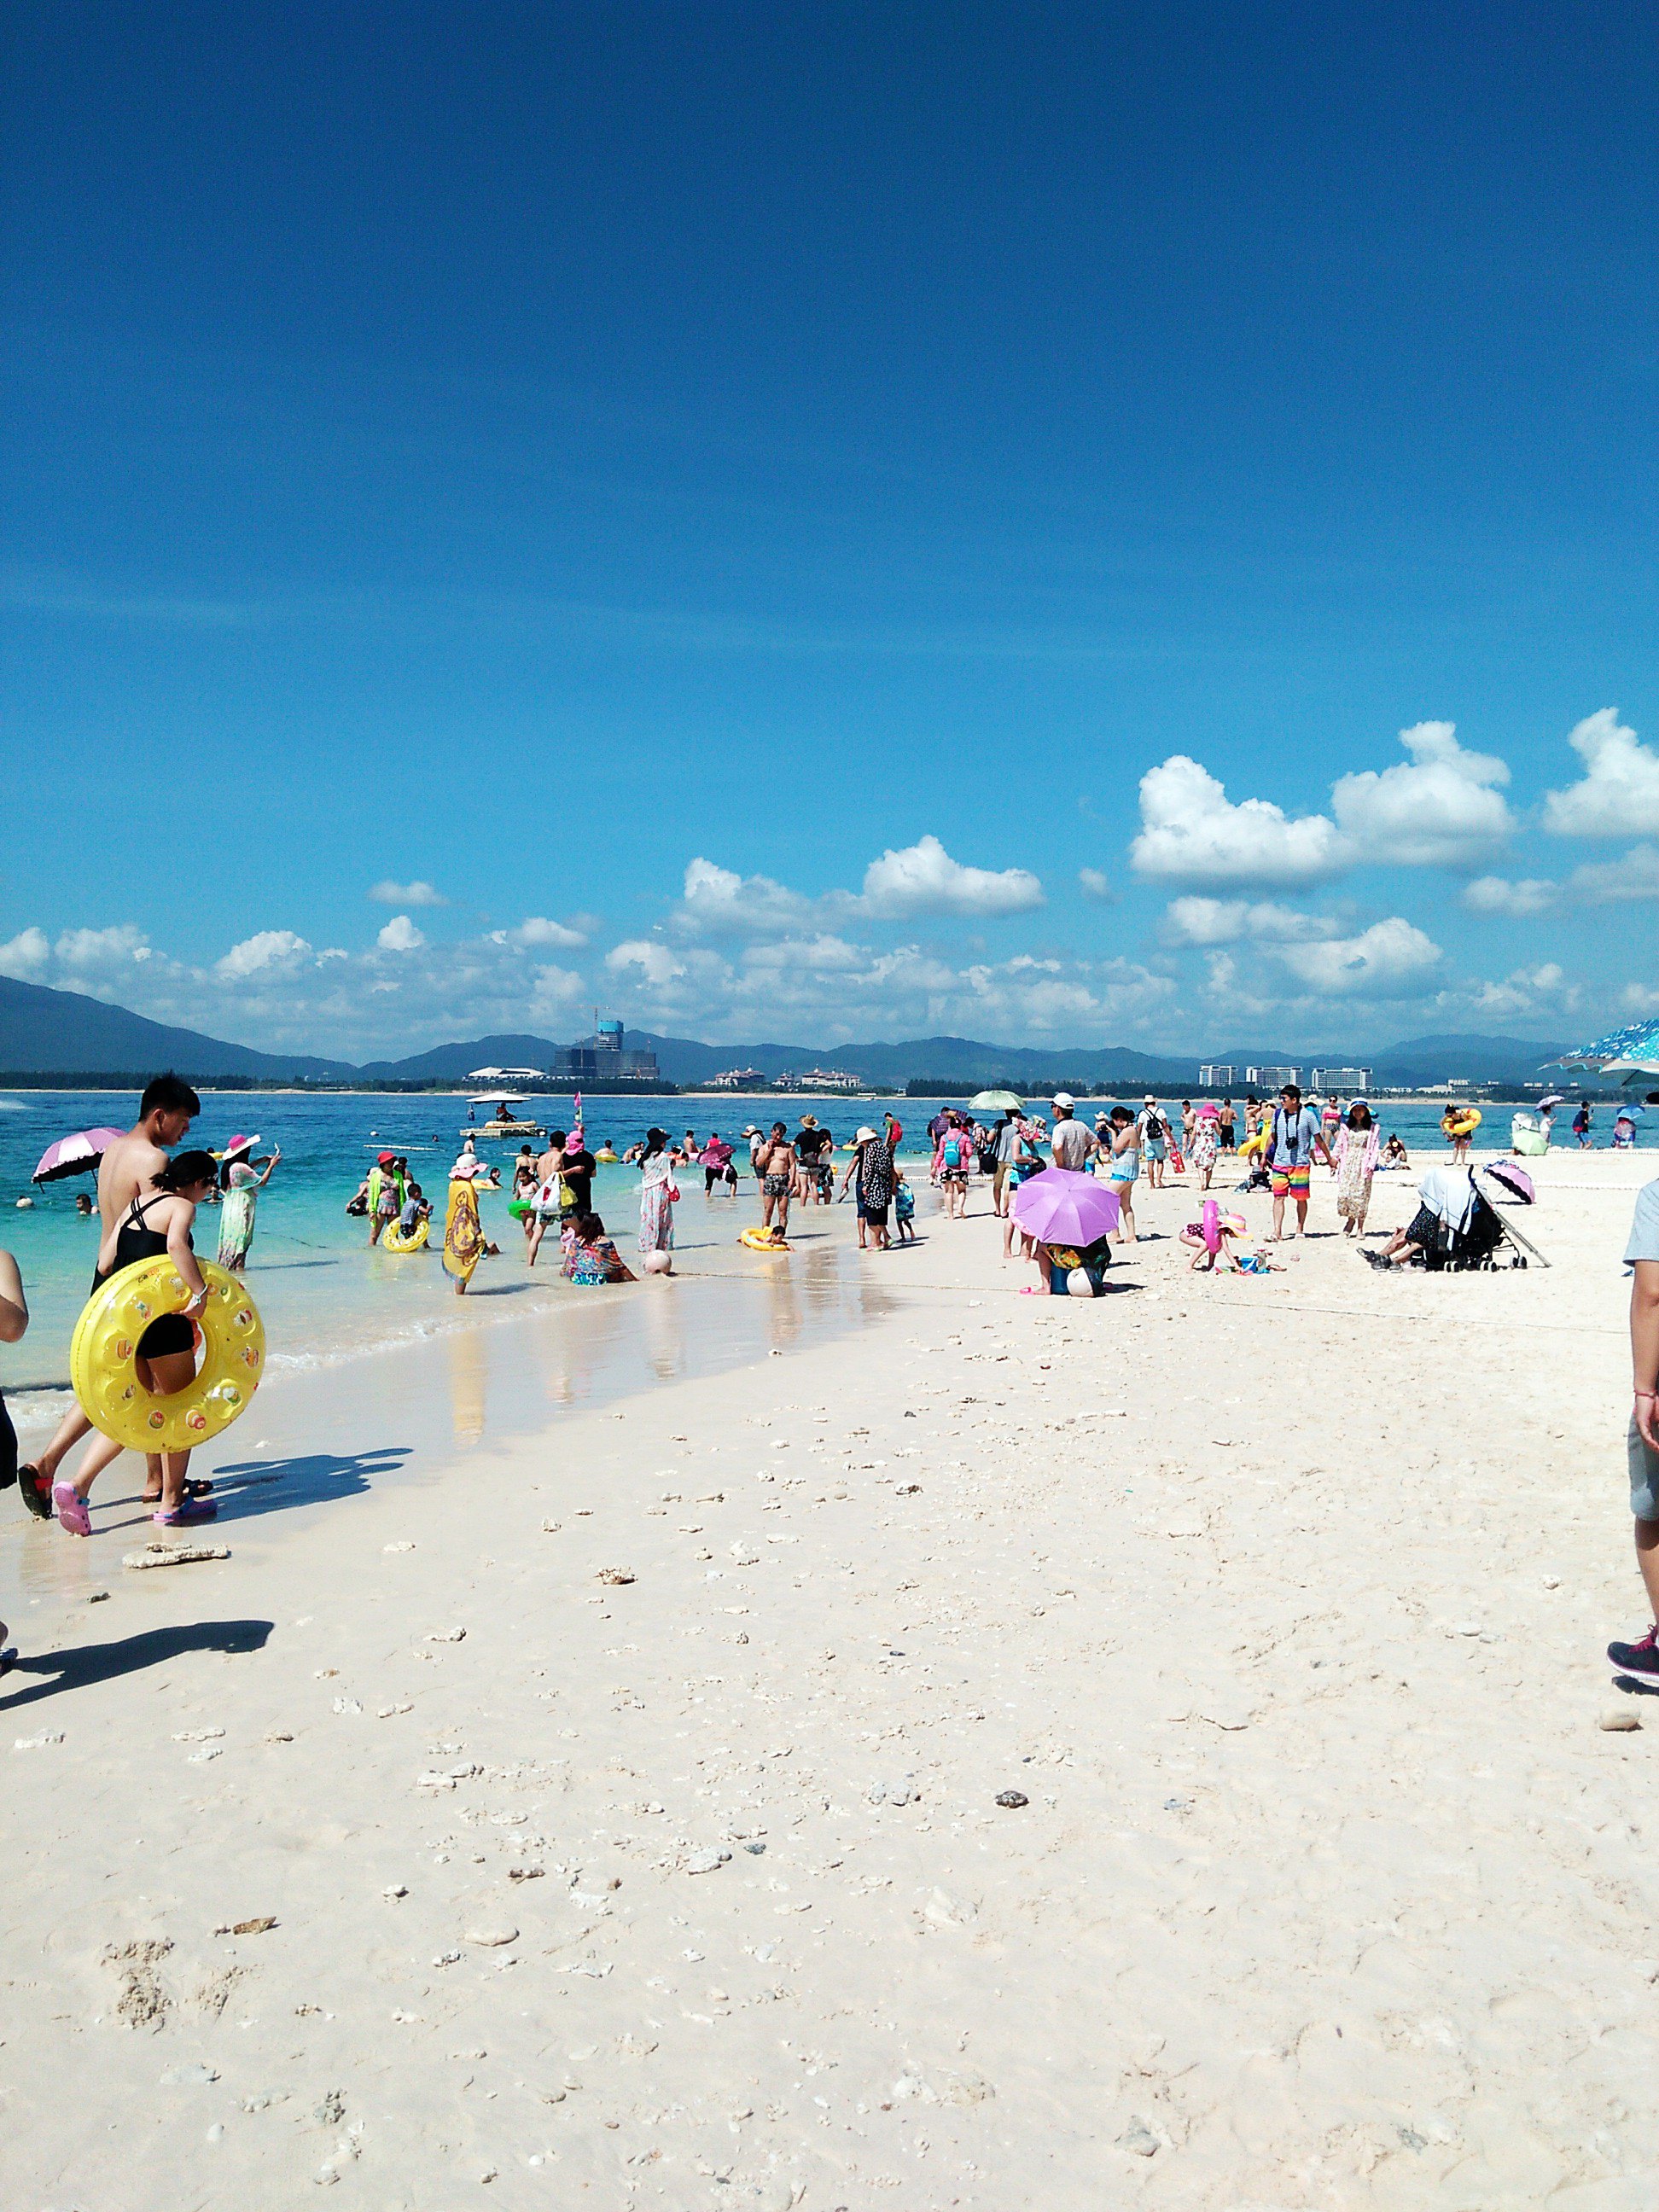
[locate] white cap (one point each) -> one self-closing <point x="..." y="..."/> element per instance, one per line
<point x="1064" y="1099"/>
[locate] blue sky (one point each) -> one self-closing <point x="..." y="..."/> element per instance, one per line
<point x="812" y="523"/>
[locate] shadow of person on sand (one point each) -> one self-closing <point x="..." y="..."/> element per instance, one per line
<point x="83" y="1665"/>
<point x="244" y="1487"/>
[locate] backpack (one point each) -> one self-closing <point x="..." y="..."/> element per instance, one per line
<point x="952" y="1153"/>
<point x="1154" y="1128"/>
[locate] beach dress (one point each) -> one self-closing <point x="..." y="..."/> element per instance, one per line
<point x="236" y="1215"/>
<point x="1206" y="1146"/>
<point x="1356" y="1163"/>
<point x="463" y="1234"/>
<point x="657" y="1196"/>
<point x="874" y="1180"/>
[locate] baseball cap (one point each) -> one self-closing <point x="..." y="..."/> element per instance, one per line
<point x="1062" y="1098"/>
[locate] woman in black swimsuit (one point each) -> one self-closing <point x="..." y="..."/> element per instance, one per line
<point x="156" y="1223"/>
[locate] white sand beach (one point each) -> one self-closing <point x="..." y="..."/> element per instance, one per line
<point x="602" y="1808"/>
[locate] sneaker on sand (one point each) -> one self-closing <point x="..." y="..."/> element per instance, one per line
<point x="1641" y="1659"/>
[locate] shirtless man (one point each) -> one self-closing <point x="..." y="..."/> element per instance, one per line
<point x="127" y="1170"/>
<point x="774" y="1164"/>
<point x="549" y="1200"/>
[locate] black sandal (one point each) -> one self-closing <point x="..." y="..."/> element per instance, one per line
<point x="35" y="1491"/>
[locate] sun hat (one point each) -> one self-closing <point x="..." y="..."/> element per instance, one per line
<point x="385" y="1159"/>
<point x="1062" y="1098"/>
<point x="865" y="1136"/>
<point x="809" y="1120"/>
<point x="1151" y="1100"/>
<point x="238" y="1145"/>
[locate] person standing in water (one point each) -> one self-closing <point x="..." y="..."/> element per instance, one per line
<point x="241" y="1181"/>
<point x="14" y="1321"/>
<point x="658" y="1191"/>
<point x="129" y="1167"/>
<point x="154" y="1225"/>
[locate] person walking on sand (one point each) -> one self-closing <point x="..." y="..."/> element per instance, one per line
<point x="1359" y="1145"/>
<point x="1580" y="1126"/>
<point x="1072" y="1144"/>
<point x="129" y="1167"/>
<point x="1205" y="1148"/>
<point x="1291" y="1148"/>
<point x="155" y="1225"/>
<point x="871" y="1172"/>
<point x="774" y="1164"/>
<point x="1154" y="1131"/>
<point x="1125" y="1173"/>
<point x="1641" y="1659"/>
<point x="951" y="1161"/>
<point x="241" y="1181"/>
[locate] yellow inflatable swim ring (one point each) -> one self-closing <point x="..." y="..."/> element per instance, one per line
<point x="395" y="1240"/>
<point x="103" y="1358"/>
<point x="759" y="1240"/>
<point x="605" y="1157"/>
<point x="1463" y="1124"/>
<point x="1253" y="1147"/>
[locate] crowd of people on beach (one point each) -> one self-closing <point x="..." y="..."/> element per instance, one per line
<point x="151" y="1186"/>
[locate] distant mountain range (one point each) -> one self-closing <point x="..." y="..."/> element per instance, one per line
<point x="44" y="1032"/>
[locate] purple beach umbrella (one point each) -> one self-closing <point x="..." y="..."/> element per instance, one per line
<point x="77" y="1155"/>
<point x="1062" y="1207"/>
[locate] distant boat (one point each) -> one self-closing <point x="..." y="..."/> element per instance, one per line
<point x="504" y="1120"/>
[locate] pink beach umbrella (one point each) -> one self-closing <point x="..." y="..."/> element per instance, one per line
<point x="1060" y="1207"/>
<point x="77" y="1155"/>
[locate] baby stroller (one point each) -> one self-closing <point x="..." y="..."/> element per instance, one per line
<point x="1457" y="1226"/>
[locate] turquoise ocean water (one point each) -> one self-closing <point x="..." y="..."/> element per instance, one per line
<point x="324" y="1294"/>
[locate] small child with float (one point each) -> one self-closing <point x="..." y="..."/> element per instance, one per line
<point x="1216" y="1241"/>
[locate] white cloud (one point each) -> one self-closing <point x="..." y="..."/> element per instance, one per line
<point x="1095" y="885"/>
<point x="536" y="930"/>
<point x="391" y="894"/>
<point x="400" y="935"/>
<point x="919" y="880"/>
<point x="26" y="955"/>
<point x="265" y="950"/>
<point x="88" y="948"/>
<point x="1441" y="809"/>
<point x="923" y="878"/>
<point x="1191" y="832"/>
<point x="823" y="954"/>
<point x="553" y="992"/>
<point x="1196" y="920"/>
<point x="716" y="902"/>
<point x="1383" y="959"/>
<point x="1634" y="875"/>
<point x="1520" y="993"/>
<point x="1498" y="895"/>
<point x="654" y="963"/>
<point x="1619" y="795"/>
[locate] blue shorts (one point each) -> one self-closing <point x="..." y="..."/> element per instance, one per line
<point x="1155" y="1148"/>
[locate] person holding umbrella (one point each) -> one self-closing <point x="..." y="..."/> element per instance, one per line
<point x="1072" y="1216"/>
<point x="128" y="1166"/>
<point x="240" y="1182"/>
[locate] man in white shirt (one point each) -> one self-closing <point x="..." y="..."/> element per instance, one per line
<point x="1072" y="1145"/>
<point x="1640" y="1659"/>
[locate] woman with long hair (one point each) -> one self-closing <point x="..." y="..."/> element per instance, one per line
<point x="658" y="1191"/>
<point x="1358" y="1142"/>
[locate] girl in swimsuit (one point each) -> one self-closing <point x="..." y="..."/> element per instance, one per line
<point x="155" y="1223"/>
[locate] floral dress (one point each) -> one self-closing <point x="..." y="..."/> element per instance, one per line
<point x="236" y="1215"/>
<point x="874" y="1180"/>
<point x="1356" y="1163"/>
<point x="657" y="1196"/>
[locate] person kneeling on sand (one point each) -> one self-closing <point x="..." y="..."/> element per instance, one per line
<point x="1642" y="1438"/>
